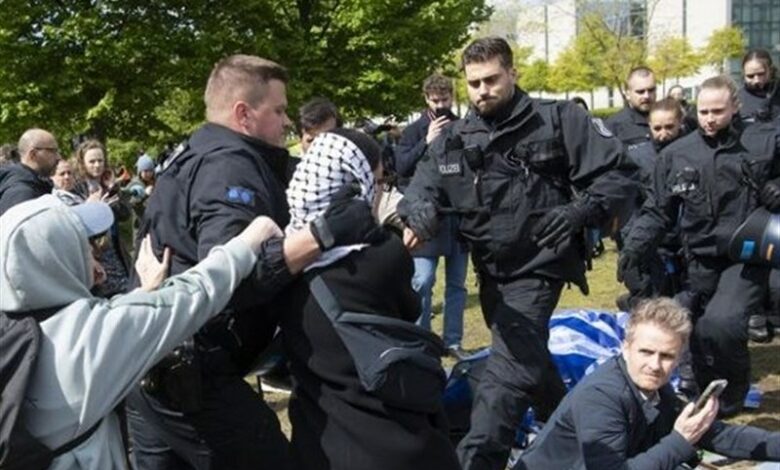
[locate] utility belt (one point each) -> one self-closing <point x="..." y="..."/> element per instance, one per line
<point x="178" y="379"/>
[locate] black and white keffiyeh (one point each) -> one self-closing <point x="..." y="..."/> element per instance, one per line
<point x="330" y="162"/>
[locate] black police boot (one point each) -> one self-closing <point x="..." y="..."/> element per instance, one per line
<point x="757" y="328"/>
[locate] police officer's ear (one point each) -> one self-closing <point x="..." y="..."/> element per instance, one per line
<point x="513" y="74"/>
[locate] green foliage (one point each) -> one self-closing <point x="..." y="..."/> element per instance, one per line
<point x="723" y="44"/>
<point x="674" y="57"/>
<point x="135" y="70"/>
<point x="534" y="76"/>
<point x="574" y="70"/>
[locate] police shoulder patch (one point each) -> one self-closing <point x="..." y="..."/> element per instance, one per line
<point x="240" y="195"/>
<point x="601" y="128"/>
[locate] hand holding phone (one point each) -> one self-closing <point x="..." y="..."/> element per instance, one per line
<point x="714" y="389"/>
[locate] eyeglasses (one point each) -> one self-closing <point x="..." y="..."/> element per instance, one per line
<point x="50" y="149"/>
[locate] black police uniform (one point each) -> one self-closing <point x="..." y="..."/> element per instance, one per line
<point x="197" y="412"/>
<point x="760" y="107"/>
<point x="716" y="182"/>
<point x="664" y="273"/>
<point x="503" y="176"/>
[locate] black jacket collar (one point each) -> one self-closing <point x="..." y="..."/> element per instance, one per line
<point x="726" y="137"/>
<point x="514" y="115"/>
<point x="276" y="157"/>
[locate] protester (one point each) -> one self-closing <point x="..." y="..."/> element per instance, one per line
<point x="93" y="350"/>
<point x="508" y="168"/>
<point x="29" y="178"/>
<point x="626" y="415"/>
<point x="8" y="154"/>
<point x="64" y="181"/>
<point x="709" y="198"/>
<point x="316" y="116"/>
<point x="329" y="403"/>
<point x="415" y="139"/>
<point x="96" y="182"/>
<point x="194" y="409"/>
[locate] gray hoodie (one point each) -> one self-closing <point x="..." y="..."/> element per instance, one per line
<point x="94" y="350"/>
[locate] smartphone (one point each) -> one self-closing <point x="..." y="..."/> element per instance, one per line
<point x="714" y="389"/>
<point x="439" y="112"/>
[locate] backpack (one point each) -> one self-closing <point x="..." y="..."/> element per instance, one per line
<point x="20" y="337"/>
<point x="396" y="361"/>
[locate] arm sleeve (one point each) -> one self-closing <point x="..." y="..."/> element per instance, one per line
<point x="410" y="150"/>
<point x="742" y="442"/>
<point x="16" y="195"/>
<point x="657" y="214"/>
<point x="218" y="216"/>
<point x="598" y="167"/>
<point x="603" y="430"/>
<point x="101" y="351"/>
<point x="426" y="181"/>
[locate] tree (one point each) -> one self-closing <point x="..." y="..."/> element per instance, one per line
<point x="534" y="76"/>
<point x="723" y="44"/>
<point x="573" y="70"/>
<point x="674" y="57"/>
<point x="135" y="70"/>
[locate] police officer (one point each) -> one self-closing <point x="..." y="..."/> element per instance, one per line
<point x="194" y="411"/>
<point x="661" y="274"/>
<point x="759" y="94"/>
<point x="716" y="176"/>
<point x="526" y="176"/>
<point x="630" y="124"/>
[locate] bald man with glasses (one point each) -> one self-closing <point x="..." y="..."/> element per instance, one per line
<point x="29" y="178"/>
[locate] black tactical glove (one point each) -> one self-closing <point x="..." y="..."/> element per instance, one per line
<point x="424" y="221"/>
<point x="346" y="221"/>
<point x="629" y="262"/>
<point x="558" y="225"/>
<point x="770" y="196"/>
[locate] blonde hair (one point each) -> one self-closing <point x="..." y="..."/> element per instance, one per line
<point x="663" y="312"/>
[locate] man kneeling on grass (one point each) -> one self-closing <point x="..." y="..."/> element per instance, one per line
<point x="625" y="415"/>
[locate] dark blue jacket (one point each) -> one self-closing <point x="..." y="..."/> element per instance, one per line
<point x="409" y="151"/>
<point x="605" y="424"/>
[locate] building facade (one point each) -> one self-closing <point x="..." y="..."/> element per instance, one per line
<point x="548" y="27"/>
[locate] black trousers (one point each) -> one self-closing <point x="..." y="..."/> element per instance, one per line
<point x="726" y="294"/>
<point x="519" y="371"/>
<point x="234" y="429"/>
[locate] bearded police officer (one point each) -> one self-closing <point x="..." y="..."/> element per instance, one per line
<point x="526" y="176"/>
<point x="714" y="177"/>
<point x="194" y="410"/>
<point x="630" y="125"/>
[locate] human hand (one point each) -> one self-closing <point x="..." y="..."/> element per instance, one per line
<point x="424" y="221"/>
<point x="346" y="221"/>
<point x="770" y="196"/>
<point x="96" y="195"/>
<point x="258" y="231"/>
<point x="558" y="225"/>
<point x="411" y="240"/>
<point x="151" y="272"/>
<point x="627" y="262"/>
<point x="435" y="128"/>
<point x="693" y="426"/>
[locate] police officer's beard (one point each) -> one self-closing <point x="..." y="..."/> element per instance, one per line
<point x="500" y="109"/>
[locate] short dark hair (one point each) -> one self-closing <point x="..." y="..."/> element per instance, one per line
<point x="486" y="49"/>
<point x="364" y="142"/>
<point x="316" y="112"/>
<point x="9" y="154"/>
<point x="437" y="84"/>
<point x="763" y="56"/>
<point x="580" y="102"/>
<point x="641" y="70"/>
<point x="668" y="104"/>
